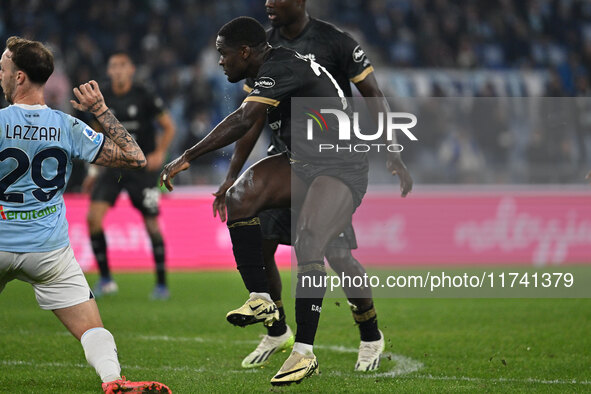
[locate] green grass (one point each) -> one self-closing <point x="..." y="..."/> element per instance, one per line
<point x="492" y="345"/>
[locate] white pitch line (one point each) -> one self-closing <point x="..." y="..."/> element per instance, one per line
<point x="390" y="374"/>
<point x="404" y="365"/>
<point x="78" y="365"/>
<point x="43" y="365"/>
<point x="167" y="338"/>
<point x="500" y="380"/>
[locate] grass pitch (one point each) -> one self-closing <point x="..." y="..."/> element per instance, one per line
<point x="433" y="345"/>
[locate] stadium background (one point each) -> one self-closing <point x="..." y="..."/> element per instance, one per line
<point x="479" y="174"/>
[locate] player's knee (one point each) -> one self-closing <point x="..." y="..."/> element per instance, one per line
<point x="239" y="202"/>
<point x="308" y="244"/>
<point x="338" y="264"/>
<point x="153" y="228"/>
<point x="338" y="256"/>
<point x="342" y="261"/>
<point x="233" y="197"/>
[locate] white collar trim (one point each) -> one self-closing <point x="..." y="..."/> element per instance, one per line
<point x="27" y="106"/>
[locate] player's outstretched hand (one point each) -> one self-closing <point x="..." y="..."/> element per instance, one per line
<point x="171" y="169"/>
<point x="89" y="98"/>
<point x="219" y="203"/>
<point x="396" y="167"/>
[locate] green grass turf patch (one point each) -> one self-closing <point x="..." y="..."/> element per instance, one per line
<point x="433" y="345"/>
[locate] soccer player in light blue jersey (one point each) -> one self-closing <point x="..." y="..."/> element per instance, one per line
<point x="37" y="145"/>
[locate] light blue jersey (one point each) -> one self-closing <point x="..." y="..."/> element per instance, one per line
<point x="37" y="145"/>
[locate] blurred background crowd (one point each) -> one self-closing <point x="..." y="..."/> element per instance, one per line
<point x="420" y="48"/>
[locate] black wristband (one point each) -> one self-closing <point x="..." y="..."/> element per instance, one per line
<point x="104" y="112"/>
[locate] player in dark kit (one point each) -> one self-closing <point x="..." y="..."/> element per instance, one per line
<point x="325" y="189"/>
<point x="344" y="59"/>
<point x="137" y="108"/>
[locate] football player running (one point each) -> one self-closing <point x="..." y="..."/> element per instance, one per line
<point x="325" y="192"/>
<point x="344" y="59"/>
<point x="36" y="148"/>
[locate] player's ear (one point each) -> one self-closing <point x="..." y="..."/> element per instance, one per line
<point x="245" y="51"/>
<point x="21" y="77"/>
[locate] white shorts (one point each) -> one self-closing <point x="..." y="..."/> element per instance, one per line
<point x="56" y="276"/>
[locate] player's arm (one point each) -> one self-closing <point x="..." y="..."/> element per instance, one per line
<point x="156" y="158"/>
<point x="119" y="149"/>
<point x="233" y="127"/>
<point x="242" y="150"/>
<point x="368" y="87"/>
<point x="93" y="170"/>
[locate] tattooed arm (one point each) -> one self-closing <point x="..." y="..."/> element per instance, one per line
<point x="120" y="149"/>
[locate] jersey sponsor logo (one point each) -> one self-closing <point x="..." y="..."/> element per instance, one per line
<point x="92" y="135"/>
<point x="275" y="125"/>
<point x="27" y="215"/>
<point x="358" y="54"/>
<point x="264" y="82"/>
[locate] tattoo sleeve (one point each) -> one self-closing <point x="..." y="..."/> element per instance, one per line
<point x="96" y="105"/>
<point x="120" y="149"/>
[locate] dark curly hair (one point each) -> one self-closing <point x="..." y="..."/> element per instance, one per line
<point x="243" y="31"/>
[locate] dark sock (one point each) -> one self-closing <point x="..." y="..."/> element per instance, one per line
<point x="309" y="294"/>
<point x="279" y="327"/>
<point x="99" y="247"/>
<point x="247" y="244"/>
<point x="158" y="251"/>
<point x="368" y="323"/>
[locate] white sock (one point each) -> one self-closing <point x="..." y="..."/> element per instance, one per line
<point x="303" y="348"/>
<point x="264" y="296"/>
<point x="101" y="352"/>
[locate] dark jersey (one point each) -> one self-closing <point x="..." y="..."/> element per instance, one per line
<point x="328" y="46"/>
<point x="137" y="110"/>
<point x="285" y="74"/>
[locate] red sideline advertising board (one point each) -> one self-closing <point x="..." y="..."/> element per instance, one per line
<point x="431" y="227"/>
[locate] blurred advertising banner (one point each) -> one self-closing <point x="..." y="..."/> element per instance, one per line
<point x="463" y="225"/>
<point x="479" y="226"/>
<point x="193" y="238"/>
<point x="462" y="83"/>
